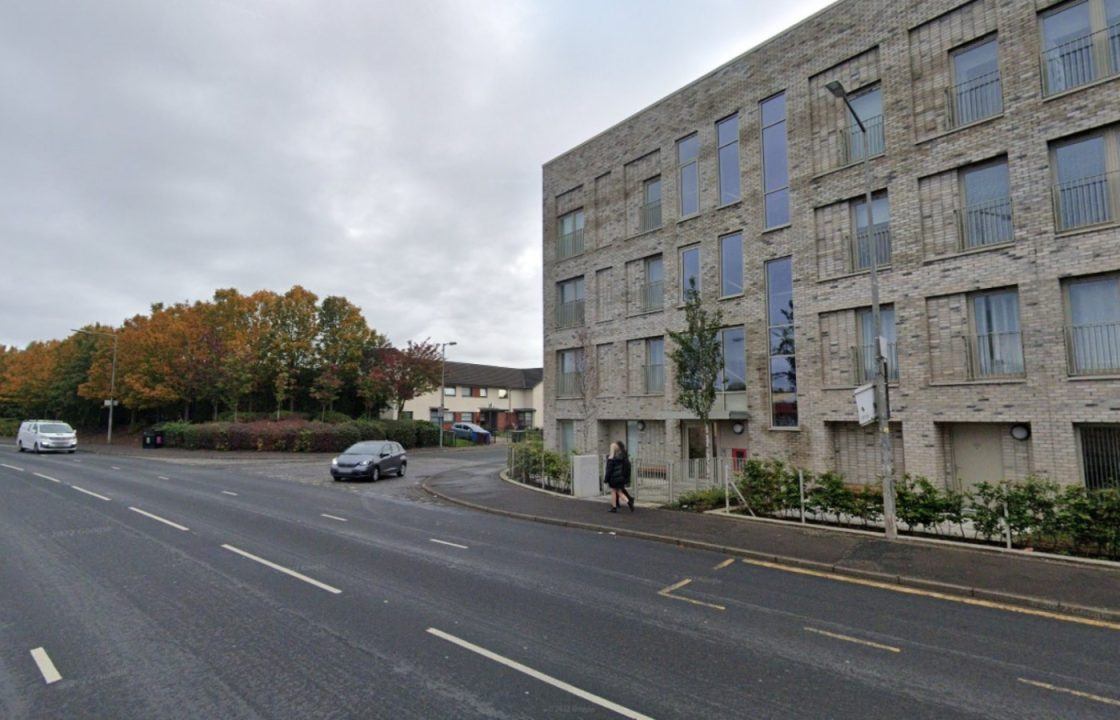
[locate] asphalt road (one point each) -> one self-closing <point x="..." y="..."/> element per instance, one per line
<point x="138" y="587"/>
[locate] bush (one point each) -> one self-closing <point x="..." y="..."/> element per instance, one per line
<point x="296" y="435"/>
<point x="700" y="500"/>
<point x="9" y="427"/>
<point x="769" y="486"/>
<point x="532" y="463"/>
<point x="334" y="417"/>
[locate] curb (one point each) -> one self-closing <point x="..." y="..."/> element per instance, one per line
<point x="902" y="580"/>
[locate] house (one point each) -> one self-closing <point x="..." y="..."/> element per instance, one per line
<point x="497" y="398"/>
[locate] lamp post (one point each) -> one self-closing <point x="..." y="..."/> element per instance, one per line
<point x="442" y="384"/>
<point x="112" y="379"/>
<point x="882" y="410"/>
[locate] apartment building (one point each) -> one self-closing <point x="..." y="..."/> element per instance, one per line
<point x="993" y="139"/>
<point x="497" y="398"/>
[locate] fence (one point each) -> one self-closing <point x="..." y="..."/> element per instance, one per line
<point x="863" y="359"/>
<point x="569" y="244"/>
<point x="994" y="355"/>
<point x="649" y="216"/>
<point x="569" y="314"/>
<point x="975" y="99"/>
<point x="1081" y="60"/>
<point x="852" y="145"/>
<point x="1093" y="349"/>
<point x="651" y="296"/>
<point x="1085" y="201"/>
<point x="530" y="464"/>
<point x="984" y="223"/>
<point x="861" y="247"/>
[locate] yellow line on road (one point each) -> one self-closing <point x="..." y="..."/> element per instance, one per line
<point x="666" y="592"/>
<point x="1078" y="693"/>
<point x="849" y="638"/>
<point x="724" y="564"/>
<point x="938" y="595"/>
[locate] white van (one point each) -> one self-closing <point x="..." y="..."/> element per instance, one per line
<point x="42" y="435"/>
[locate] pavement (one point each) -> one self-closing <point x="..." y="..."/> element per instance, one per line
<point x="1086" y="589"/>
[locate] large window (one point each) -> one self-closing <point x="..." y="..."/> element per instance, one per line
<point x="865" y="351"/>
<point x="775" y="161"/>
<point x="651" y="293"/>
<point x="783" y="361"/>
<point x="567" y="432"/>
<point x="985" y="215"/>
<point x="976" y="92"/>
<point x="653" y="379"/>
<point x="727" y="138"/>
<point x="688" y="175"/>
<point x="733" y="376"/>
<point x="690" y="271"/>
<point x="569" y="239"/>
<point x="877" y="239"/>
<point x="868" y="104"/>
<point x="1100" y="455"/>
<point x="1093" y="325"/>
<point x="996" y="347"/>
<point x="1080" y="44"/>
<point x="1085" y="178"/>
<point x="570" y="303"/>
<point x="569" y="378"/>
<point x="650" y="215"/>
<point x="731" y="265"/>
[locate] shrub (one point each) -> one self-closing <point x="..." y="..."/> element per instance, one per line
<point x="701" y="500"/>
<point x="427" y="434"/>
<point x="919" y="503"/>
<point x="769" y="486"/>
<point x="334" y="417"/>
<point x="9" y="427"/>
<point x="532" y="463"/>
<point x="369" y="429"/>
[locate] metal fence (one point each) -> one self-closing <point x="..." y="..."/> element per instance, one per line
<point x="649" y="216"/>
<point x="1082" y="60"/>
<point x="530" y="464"/>
<point x="1085" y="201"/>
<point x="569" y="384"/>
<point x="1093" y="349"/>
<point x="994" y="355"/>
<point x="569" y="244"/>
<point x="863" y="359"/>
<point x="861" y="247"/>
<point x="570" y="314"/>
<point x="1100" y="450"/>
<point x="975" y="99"/>
<point x="984" y="223"/>
<point x="651" y="296"/>
<point x="852" y="144"/>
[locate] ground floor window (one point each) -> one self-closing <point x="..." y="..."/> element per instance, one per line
<point x="1100" y="456"/>
<point x="433" y="415"/>
<point x="406" y="414"/>
<point x="567" y="436"/>
<point x="466" y="417"/>
<point x="524" y="419"/>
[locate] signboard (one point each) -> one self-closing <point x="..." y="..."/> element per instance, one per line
<point x="865" y="403"/>
<point x="110" y="403"/>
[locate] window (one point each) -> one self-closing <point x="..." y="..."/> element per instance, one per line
<point x="985" y="216"/>
<point x="783" y="362"/>
<point x="1085" y="177"/>
<point x="449" y="391"/>
<point x="996" y="348"/>
<point x="567" y="432"/>
<point x="878" y="240"/>
<point x="688" y="174"/>
<point x="503" y="393"/>
<point x="570" y="303"/>
<point x="733" y="346"/>
<point x="569" y="240"/>
<point x="868" y="104"/>
<point x="653" y="375"/>
<point x="650" y="216"/>
<point x="406" y="414"/>
<point x="569" y="378"/>
<point x="690" y="271"/>
<point x="466" y="417"/>
<point x="775" y="161"/>
<point x="727" y="138"/>
<point x="976" y="93"/>
<point x="433" y="415"/>
<point x="865" y="351"/>
<point x="1093" y="325"/>
<point x="524" y="419"/>
<point x="731" y="265"/>
<point x="1100" y="455"/>
<point x="465" y="391"/>
<point x="651" y="294"/>
<point x="482" y="392"/>
<point x="1080" y="44"/>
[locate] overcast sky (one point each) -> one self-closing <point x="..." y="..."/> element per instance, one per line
<point x="390" y="152"/>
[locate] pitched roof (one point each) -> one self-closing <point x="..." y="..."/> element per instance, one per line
<point x="460" y="373"/>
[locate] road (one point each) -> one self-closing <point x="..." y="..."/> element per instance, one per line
<point x="138" y="587"/>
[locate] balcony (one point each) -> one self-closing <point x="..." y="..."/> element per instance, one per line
<point x="860" y="247"/>
<point x="649" y="216"/>
<point x="863" y="363"/>
<point x="852" y="144"/>
<point x="1085" y="201"/>
<point x="974" y="99"/>
<point x="1093" y="349"/>
<point x="569" y="244"/>
<point x="994" y="356"/>
<point x="984" y="223"/>
<point x="569" y="385"/>
<point x="570" y="314"/>
<point x="651" y="296"/>
<point x="1082" y="60"/>
<point x="653" y="379"/>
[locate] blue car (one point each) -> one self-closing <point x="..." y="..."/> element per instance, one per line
<point x="469" y="431"/>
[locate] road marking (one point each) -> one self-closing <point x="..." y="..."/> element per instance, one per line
<point x="1078" y="693"/>
<point x="536" y="674"/>
<point x="227" y="492"/>
<point x="115" y="467"/>
<point x="667" y="592"/>
<point x="938" y="595"/>
<point x="334" y="517"/>
<point x="46" y="667"/>
<point x="87" y="492"/>
<point x="444" y="542"/>
<point x="724" y="564"/>
<point x="286" y="571"/>
<point x="47" y="477"/>
<point x="165" y="521"/>
<point x="163" y="477"/>
<point x="11" y="467"/>
<point x="849" y="638"/>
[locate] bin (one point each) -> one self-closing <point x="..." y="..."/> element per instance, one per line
<point x="159" y="438"/>
<point x="149" y="442"/>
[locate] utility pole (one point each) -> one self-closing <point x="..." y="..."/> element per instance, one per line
<point x="882" y="408"/>
<point x="442" y="384"/>
<point x="112" y="380"/>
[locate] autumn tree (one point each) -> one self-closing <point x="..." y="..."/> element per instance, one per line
<point x="401" y="375"/>
<point x="289" y="345"/>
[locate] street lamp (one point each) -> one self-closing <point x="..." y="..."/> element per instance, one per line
<point x="882" y="410"/>
<point x="112" y="379"/>
<point x="442" y="382"/>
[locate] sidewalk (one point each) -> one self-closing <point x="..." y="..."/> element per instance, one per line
<point x="1081" y="589"/>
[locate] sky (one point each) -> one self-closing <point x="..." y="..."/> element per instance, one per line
<point x="389" y="152"/>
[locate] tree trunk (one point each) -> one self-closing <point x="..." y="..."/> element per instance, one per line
<point x="709" y="455"/>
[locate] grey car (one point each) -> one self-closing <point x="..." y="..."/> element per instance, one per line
<point x="370" y="460"/>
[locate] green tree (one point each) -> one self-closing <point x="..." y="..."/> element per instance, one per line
<point x="697" y="360"/>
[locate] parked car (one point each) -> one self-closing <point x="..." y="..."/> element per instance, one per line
<point x="472" y="432"/>
<point x="43" y="435"/>
<point x="370" y="460"/>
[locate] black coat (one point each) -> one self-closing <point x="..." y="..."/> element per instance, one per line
<point x="617" y="473"/>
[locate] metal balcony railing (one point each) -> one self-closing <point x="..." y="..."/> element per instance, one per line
<point x="570" y="314"/>
<point x="974" y="99"/>
<point x="1086" y="201"/>
<point x="1100" y="454"/>
<point x="1082" y="60"/>
<point x="1093" y="349"/>
<point x="860" y="247"/>
<point x="863" y="361"/>
<point x="994" y="355"/>
<point x="569" y="244"/>
<point x="651" y="296"/>
<point x="851" y="140"/>
<point x="649" y="216"/>
<point x="984" y="223"/>
<point x="569" y="384"/>
<point x="653" y="379"/>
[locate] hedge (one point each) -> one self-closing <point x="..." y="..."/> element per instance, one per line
<point x="9" y="427"/>
<point x="296" y="435"/>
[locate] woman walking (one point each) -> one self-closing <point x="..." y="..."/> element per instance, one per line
<point x="617" y="475"/>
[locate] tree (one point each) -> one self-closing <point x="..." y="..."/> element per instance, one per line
<point x="698" y="359"/>
<point x="289" y="345"/>
<point x="326" y="388"/>
<point x="401" y="375"/>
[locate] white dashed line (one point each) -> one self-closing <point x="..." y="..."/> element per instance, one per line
<point x="334" y="517"/>
<point x="536" y="674"/>
<point x="281" y="568"/>
<point x="47" y="477"/>
<point x="115" y="467"/>
<point x="46" y="667"/>
<point x="1069" y="691"/>
<point x="163" y="477"/>
<point x="11" y="467"/>
<point x="157" y="518"/>
<point x="227" y="492"/>
<point x="444" y="542"/>
<point x="87" y="492"/>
